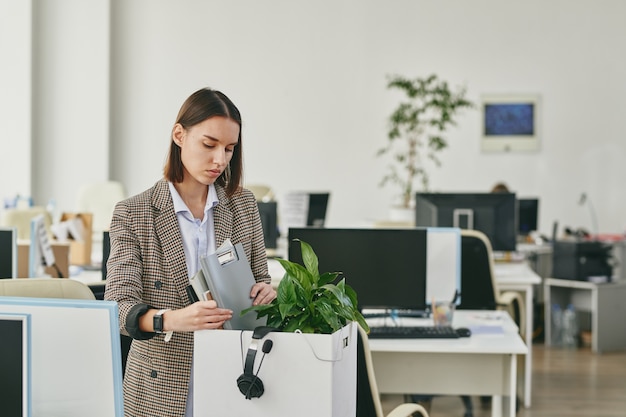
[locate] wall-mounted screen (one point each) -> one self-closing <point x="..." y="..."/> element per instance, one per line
<point x="510" y="122"/>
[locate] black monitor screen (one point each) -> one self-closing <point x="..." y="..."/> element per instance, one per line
<point x="269" y="221"/>
<point x="528" y="211"/>
<point x="494" y="214"/>
<point x="318" y="203"/>
<point x="8" y="253"/>
<point x="386" y="267"/>
<point x="13" y="362"/>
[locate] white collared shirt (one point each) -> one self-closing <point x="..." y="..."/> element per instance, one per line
<point x="198" y="235"/>
<point x="198" y="240"/>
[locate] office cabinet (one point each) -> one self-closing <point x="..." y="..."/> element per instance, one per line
<point x="605" y="303"/>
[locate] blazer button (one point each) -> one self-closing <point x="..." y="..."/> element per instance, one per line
<point x="153" y="374"/>
<point x="158" y="285"/>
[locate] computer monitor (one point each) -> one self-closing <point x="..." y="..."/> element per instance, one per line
<point x="75" y="356"/>
<point x="268" y="210"/>
<point x="318" y="204"/>
<point x="304" y="208"/>
<point x="528" y="212"/>
<point x="15" y="364"/>
<point x="385" y="267"/>
<point x="494" y="214"/>
<point x="8" y="252"/>
<point x="40" y="252"/>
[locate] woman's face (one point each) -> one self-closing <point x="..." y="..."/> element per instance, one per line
<point x="206" y="148"/>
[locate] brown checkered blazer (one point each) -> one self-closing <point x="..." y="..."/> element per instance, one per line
<point x="147" y="266"/>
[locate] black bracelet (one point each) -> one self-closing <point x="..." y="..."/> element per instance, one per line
<point x="132" y="322"/>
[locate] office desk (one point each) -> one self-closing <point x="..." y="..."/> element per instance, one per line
<point x="483" y="364"/>
<point x="519" y="276"/>
<point x="510" y="276"/>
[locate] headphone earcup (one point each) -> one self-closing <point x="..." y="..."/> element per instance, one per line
<point x="250" y="386"/>
<point x="248" y="383"/>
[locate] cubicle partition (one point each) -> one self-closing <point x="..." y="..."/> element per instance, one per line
<point x="75" y="360"/>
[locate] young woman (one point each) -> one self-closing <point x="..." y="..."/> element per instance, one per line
<point x="157" y="239"/>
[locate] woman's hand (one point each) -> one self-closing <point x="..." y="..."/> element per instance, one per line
<point x="262" y="293"/>
<point x="201" y="315"/>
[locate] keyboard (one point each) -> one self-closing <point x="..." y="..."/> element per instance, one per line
<point x="412" y="332"/>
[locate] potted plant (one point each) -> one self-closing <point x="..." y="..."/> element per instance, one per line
<point x="309" y="301"/>
<point x="416" y="128"/>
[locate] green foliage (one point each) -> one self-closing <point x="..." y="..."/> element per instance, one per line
<point x="308" y="301"/>
<point x="416" y="127"/>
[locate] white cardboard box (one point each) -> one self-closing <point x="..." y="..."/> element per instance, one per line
<point x="303" y="374"/>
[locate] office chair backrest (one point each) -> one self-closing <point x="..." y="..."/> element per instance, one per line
<point x="261" y="192"/>
<point x="367" y="396"/>
<point x="478" y="290"/>
<point x="20" y="218"/>
<point x="45" y="288"/>
<point x="99" y="199"/>
<point x="365" y="404"/>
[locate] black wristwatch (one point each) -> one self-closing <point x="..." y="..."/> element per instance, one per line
<point x="157" y="321"/>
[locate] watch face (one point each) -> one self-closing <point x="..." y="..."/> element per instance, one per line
<point x="157" y="323"/>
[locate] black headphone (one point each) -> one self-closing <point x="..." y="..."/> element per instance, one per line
<point x="249" y="383"/>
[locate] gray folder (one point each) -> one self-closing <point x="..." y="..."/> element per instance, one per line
<point x="229" y="278"/>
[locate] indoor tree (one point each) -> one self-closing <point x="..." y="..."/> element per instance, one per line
<point x="416" y="128"/>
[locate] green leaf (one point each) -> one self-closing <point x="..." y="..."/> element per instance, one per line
<point x="327" y="278"/>
<point x="329" y="313"/>
<point x="298" y="272"/>
<point x="310" y="259"/>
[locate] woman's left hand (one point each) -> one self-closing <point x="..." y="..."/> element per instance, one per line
<point x="262" y="293"/>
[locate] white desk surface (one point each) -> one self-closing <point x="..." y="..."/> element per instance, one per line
<point x="515" y="273"/>
<point x="86" y="276"/>
<point x="486" y="335"/>
<point x="482" y="364"/>
<point x="534" y="248"/>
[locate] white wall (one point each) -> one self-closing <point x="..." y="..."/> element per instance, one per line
<point x="15" y="99"/>
<point x="71" y="98"/>
<point x="309" y="78"/>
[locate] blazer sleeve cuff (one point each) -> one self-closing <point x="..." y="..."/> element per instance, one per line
<point x="132" y="322"/>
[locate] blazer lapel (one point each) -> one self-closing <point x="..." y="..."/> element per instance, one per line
<point x="222" y="218"/>
<point x="168" y="233"/>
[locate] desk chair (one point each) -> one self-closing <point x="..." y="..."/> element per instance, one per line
<point x="367" y="397"/>
<point x="20" y="218"/>
<point x="45" y="288"/>
<point x="261" y="192"/>
<point x="479" y="288"/>
<point x="99" y="199"/>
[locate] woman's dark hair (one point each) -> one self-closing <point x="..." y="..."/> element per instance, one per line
<point x="201" y="105"/>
